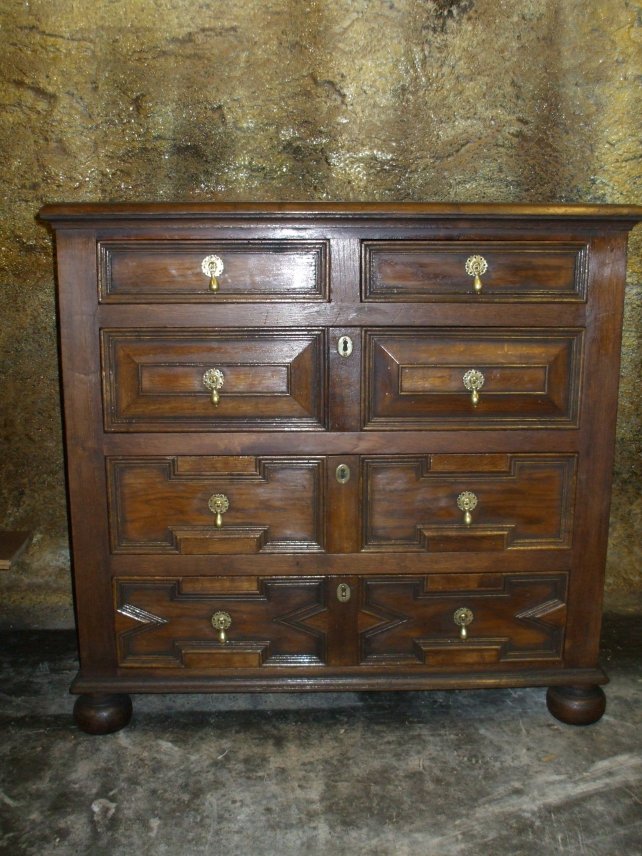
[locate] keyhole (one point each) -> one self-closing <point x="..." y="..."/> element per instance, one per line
<point x="343" y="592"/>
<point x="342" y="473"/>
<point x="344" y="346"/>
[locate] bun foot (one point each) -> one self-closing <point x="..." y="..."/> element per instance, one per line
<point x="102" y="714"/>
<point x="576" y="705"/>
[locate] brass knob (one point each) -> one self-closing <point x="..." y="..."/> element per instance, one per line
<point x="462" y="618"/>
<point x="221" y="621"/>
<point x="218" y="505"/>
<point x="213" y="267"/>
<point x="466" y="502"/>
<point x="473" y="381"/>
<point x="213" y="379"/>
<point x="476" y="266"/>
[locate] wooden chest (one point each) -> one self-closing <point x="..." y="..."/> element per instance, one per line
<point x="324" y="447"/>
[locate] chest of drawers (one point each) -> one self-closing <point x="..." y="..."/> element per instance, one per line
<point x="325" y="447"/>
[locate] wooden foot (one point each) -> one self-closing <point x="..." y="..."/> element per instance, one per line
<point x="576" y="705"/>
<point x="102" y="714"/>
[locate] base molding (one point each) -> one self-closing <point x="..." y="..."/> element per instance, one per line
<point x="361" y="681"/>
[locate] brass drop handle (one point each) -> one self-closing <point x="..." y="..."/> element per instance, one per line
<point x="466" y="502"/>
<point x="222" y="621"/>
<point x="213" y="379"/>
<point x="473" y="381"/>
<point x="218" y="505"/>
<point x="462" y="618"/>
<point x="476" y="266"/>
<point x="213" y="267"/>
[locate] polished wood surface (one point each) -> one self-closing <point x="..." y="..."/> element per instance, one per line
<point x="432" y="270"/>
<point x="162" y="504"/>
<point x="410" y="503"/>
<point x="343" y="553"/>
<point x="271" y="380"/>
<point x="416" y="379"/>
<point x="168" y="271"/>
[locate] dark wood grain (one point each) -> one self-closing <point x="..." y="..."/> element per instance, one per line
<point x="522" y="502"/>
<point x="415" y="378"/>
<point x="253" y="271"/>
<point x="429" y="270"/>
<point x="154" y="381"/>
<point x="146" y="447"/>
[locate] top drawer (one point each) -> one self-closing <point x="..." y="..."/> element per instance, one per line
<point x="417" y="271"/>
<point x="175" y="271"/>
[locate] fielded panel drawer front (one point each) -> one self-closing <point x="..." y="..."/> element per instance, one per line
<point x="215" y="505"/>
<point x="199" y="271"/>
<point x="417" y="271"/>
<point x="439" y="622"/>
<point x="472" y="378"/>
<point x="197" y="380"/>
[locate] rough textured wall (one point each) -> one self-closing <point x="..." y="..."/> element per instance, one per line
<point x="502" y="100"/>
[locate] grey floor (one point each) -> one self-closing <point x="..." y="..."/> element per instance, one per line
<point x="394" y="774"/>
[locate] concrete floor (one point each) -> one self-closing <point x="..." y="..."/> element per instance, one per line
<point x="481" y="773"/>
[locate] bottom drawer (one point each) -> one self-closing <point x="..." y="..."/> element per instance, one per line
<point x="207" y="623"/>
<point x="437" y="622"/>
<point x="453" y="621"/>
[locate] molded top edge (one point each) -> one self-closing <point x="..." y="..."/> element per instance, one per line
<point x="87" y="211"/>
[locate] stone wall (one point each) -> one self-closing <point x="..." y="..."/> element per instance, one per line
<point x="463" y="100"/>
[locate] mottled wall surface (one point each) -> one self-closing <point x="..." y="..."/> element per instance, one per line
<point x="464" y="100"/>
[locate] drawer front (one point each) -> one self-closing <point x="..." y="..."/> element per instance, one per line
<point x="472" y="379"/>
<point x="213" y="624"/>
<point x="443" y="503"/>
<point x="417" y="271"/>
<point x="249" y="271"/>
<point x="242" y="380"/>
<point x="506" y="619"/>
<point x="216" y="505"/>
<point x="176" y="623"/>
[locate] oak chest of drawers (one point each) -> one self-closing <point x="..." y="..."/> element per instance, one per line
<point x="322" y="447"/>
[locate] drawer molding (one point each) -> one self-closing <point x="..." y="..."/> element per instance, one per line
<point x="432" y="271"/>
<point x="255" y="271"/>
<point x="280" y="622"/>
<point x="415" y="378"/>
<point x="520" y="617"/>
<point x="160" y="505"/>
<point x="523" y="502"/>
<point x="154" y="380"/>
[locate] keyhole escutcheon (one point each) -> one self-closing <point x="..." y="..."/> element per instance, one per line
<point x="343" y="473"/>
<point x="344" y="346"/>
<point x="344" y="592"/>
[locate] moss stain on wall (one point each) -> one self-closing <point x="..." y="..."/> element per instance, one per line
<point x="462" y="100"/>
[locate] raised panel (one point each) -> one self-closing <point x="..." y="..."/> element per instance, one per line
<point x="271" y="380"/>
<point x="415" y="379"/>
<point x="167" y="622"/>
<point x="418" y="271"/>
<point x="410" y="620"/>
<point x="410" y="502"/>
<point x="160" y="505"/>
<point x="169" y="271"/>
